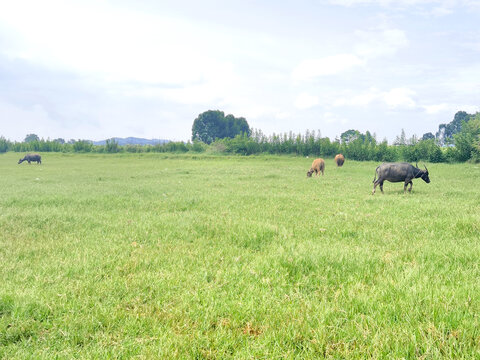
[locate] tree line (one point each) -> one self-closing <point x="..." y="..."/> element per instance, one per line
<point x="453" y="143"/>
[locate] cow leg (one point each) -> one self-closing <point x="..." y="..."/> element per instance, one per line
<point x="374" y="186"/>
<point x="411" y="184"/>
<point x="381" y="187"/>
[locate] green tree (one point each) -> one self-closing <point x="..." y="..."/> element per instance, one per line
<point x="235" y="126"/>
<point x="428" y="136"/>
<point x="111" y="146"/>
<point x="213" y="124"/>
<point x="31" y="137"/>
<point x="446" y="132"/>
<point x="467" y="141"/>
<point x="82" y="146"/>
<point x="401" y="140"/>
<point x="349" y="136"/>
<point x="4" y="144"/>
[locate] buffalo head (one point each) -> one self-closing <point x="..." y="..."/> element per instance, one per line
<point x="425" y="175"/>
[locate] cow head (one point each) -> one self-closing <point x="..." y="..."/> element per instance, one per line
<point x="309" y="173"/>
<point x="425" y="175"/>
<point x="20" y="161"/>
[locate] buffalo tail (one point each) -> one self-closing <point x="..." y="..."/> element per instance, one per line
<point x="375" y="178"/>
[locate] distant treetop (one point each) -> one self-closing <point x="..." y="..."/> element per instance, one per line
<point x="31" y="137"/>
<point x="213" y="124"/>
<point x="446" y="131"/>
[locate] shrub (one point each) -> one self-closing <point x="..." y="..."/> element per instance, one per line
<point x="4" y="145"/>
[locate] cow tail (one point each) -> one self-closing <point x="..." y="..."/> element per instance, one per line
<point x="375" y="178"/>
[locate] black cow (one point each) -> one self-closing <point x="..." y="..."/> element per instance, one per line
<point x="397" y="172"/>
<point x="31" y="157"/>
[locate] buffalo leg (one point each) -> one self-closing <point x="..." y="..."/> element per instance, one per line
<point x="381" y="186"/>
<point x="374" y="186"/>
<point x="410" y="189"/>
<point x="407" y="181"/>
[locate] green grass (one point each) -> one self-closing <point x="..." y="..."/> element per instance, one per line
<point x="172" y="256"/>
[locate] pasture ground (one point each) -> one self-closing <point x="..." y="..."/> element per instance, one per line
<point x="184" y="256"/>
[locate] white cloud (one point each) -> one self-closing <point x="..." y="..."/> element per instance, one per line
<point x="405" y="3"/>
<point x="436" y="108"/>
<point x="393" y="98"/>
<point x="282" y="115"/>
<point x="441" y="11"/>
<point x="331" y="118"/>
<point x="450" y="108"/>
<point x="362" y="99"/>
<point x="435" y="8"/>
<point x="369" y="45"/>
<point x="306" y="101"/>
<point x="382" y="2"/>
<point x="110" y="43"/>
<point x="37" y="120"/>
<point x="374" y="44"/>
<point x="219" y="83"/>
<point x="399" y="97"/>
<point x="330" y="65"/>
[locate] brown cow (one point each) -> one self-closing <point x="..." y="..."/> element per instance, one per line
<point x="339" y="159"/>
<point x="318" y="166"/>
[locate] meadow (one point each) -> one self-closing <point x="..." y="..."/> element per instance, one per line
<point x="212" y="257"/>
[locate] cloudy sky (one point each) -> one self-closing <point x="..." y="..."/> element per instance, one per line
<point x="98" y="69"/>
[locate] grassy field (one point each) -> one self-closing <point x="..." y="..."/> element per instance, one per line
<point x="173" y="256"/>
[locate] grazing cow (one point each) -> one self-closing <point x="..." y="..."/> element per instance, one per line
<point x="339" y="159"/>
<point x="398" y="172"/>
<point x="318" y="166"/>
<point x="31" y="157"/>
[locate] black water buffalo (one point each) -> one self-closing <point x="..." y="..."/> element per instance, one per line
<point x="397" y="172"/>
<point x="31" y="157"/>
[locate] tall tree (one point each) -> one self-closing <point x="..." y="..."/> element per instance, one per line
<point x="467" y="141"/>
<point x="446" y="131"/>
<point x="4" y="144"/>
<point x="401" y="140"/>
<point x="213" y="124"/>
<point x="428" y="136"/>
<point x="349" y="135"/>
<point x="31" y="137"/>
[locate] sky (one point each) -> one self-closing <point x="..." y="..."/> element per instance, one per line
<point x="146" y="68"/>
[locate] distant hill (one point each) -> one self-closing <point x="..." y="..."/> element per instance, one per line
<point x="133" y="141"/>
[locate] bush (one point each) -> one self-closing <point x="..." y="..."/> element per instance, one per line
<point x="112" y="146"/>
<point x="82" y="146"/>
<point x="451" y="154"/>
<point x="198" y="146"/>
<point x="4" y="145"/>
<point x="436" y="155"/>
